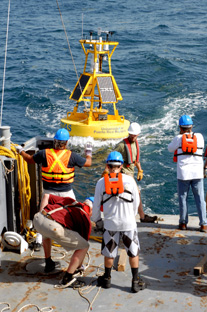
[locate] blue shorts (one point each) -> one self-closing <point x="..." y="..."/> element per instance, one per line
<point x="111" y="239"/>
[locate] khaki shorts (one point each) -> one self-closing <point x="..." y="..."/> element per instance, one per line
<point x="68" y="239"/>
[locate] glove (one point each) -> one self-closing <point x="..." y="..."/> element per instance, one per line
<point x="205" y="172"/>
<point x="140" y="175"/>
<point x="19" y="149"/>
<point x="88" y="149"/>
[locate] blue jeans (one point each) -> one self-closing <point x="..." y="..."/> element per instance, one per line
<point x="198" y="192"/>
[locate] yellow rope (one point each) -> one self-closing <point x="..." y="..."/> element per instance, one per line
<point x="96" y="238"/>
<point x="23" y="183"/>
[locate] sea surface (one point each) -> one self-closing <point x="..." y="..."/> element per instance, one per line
<point x="160" y="67"/>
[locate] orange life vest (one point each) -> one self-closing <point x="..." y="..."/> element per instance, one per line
<point x="114" y="186"/>
<point x="189" y="146"/>
<point x="56" y="170"/>
<point x="113" y="183"/>
<point x="129" y="152"/>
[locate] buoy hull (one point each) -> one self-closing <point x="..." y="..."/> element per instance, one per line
<point x="99" y="130"/>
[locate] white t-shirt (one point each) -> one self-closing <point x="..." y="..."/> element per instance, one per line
<point x="119" y="215"/>
<point x="189" y="167"/>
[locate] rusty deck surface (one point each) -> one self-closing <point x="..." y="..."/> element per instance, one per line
<point x="167" y="260"/>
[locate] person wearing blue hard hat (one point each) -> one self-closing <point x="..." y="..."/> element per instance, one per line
<point x="185" y="121"/>
<point x="187" y="147"/>
<point x="117" y="193"/>
<point x="58" y="166"/>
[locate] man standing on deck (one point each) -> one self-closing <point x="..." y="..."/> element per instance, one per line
<point x="129" y="148"/>
<point x="57" y="167"/>
<point x="188" y="149"/>
<point x="119" y="196"/>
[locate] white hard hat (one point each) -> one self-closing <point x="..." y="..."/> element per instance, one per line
<point x="134" y="128"/>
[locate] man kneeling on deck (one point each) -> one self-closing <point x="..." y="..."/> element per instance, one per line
<point x="119" y="196"/>
<point x="67" y="222"/>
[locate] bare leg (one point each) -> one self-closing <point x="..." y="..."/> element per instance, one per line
<point x="44" y="201"/>
<point x="140" y="208"/>
<point x="108" y="262"/>
<point x="76" y="260"/>
<point x="134" y="262"/>
<point x="47" y="243"/>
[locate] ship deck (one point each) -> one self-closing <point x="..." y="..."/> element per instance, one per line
<point x="168" y="258"/>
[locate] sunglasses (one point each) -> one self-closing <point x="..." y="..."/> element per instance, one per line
<point x="114" y="166"/>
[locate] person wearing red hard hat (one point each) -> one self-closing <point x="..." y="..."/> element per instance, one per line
<point x="188" y="151"/>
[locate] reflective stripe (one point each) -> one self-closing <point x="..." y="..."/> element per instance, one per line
<point x="57" y="171"/>
<point x="57" y="161"/>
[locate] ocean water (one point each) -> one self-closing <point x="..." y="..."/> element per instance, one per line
<point x="160" y="67"/>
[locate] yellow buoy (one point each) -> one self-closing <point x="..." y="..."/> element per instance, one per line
<point x="96" y="87"/>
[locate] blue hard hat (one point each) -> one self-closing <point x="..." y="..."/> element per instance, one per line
<point x="115" y="158"/>
<point x="91" y="198"/>
<point x="185" y="121"/>
<point x="62" y="135"/>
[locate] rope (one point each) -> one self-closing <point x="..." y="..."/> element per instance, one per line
<point x="6" y="308"/>
<point x="89" y="288"/>
<point x="96" y="238"/>
<point x="69" y="48"/>
<point x="4" y="74"/>
<point x="23" y="182"/>
<point x="25" y="306"/>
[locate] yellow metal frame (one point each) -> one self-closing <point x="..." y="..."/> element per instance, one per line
<point x="88" y="93"/>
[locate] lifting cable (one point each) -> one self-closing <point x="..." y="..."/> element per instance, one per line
<point x="70" y="49"/>
<point x="7" y="33"/>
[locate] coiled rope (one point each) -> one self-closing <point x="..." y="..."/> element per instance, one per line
<point x="23" y="178"/>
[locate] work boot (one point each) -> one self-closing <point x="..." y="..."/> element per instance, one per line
<point x="137" y="285"/>
<point x="104" y="282"/>
<point x="79" y="271"/>
<point x="37" y="246"/>
<point x="203" y="228"/>
<point x="51" y="266"/>
<point x="182" y="226"/>
<point x="148" y="219"/>
<point x="67" y="280"/>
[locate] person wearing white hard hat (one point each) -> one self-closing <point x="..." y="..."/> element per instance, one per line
<point x="129" y="148"/>
<point x="58" y="166"/>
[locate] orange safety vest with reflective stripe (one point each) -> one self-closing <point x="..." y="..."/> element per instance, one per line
<point x="56" y="170"/>
<point x="129" y="152"/>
